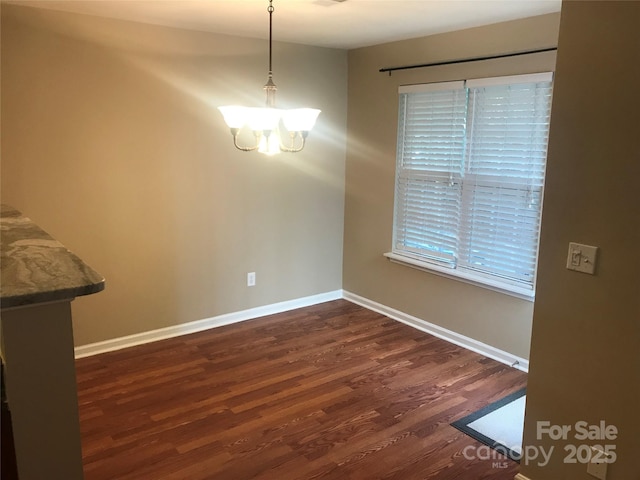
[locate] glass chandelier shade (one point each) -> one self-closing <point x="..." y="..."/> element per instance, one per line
<point x="265" y="121"/>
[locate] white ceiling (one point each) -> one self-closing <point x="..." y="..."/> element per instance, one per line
<point x="328" y="23"/>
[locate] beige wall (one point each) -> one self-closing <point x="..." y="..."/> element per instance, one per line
<point x="112" y="143"/>
<point x="586" y="329"/>
<point x="494" y="318"/>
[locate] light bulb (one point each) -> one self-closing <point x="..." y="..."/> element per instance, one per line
<point x="270" y="144"/>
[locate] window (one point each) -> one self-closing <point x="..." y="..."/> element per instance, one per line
<point x="470" y="177"/>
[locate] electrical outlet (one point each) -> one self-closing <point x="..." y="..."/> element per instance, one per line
<point x="582" y="258"/>
<point x="251" y="279"/>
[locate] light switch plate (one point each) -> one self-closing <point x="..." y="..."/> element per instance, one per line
<point x="582" y="258"/>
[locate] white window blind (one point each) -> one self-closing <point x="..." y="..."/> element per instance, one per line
<point x="470" y="176"/>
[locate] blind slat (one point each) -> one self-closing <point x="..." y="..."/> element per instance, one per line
<point x="470" y="175"/>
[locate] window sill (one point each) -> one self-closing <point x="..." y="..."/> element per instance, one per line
<point x="489" y="284"/>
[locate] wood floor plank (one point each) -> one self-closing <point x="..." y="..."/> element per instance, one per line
<point x="331" y="391"/>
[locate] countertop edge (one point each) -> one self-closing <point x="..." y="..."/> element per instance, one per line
<point x="37" y="298"/>
<point x="36" y="268"/>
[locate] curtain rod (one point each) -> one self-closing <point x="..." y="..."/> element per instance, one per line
<point x="466" y="60"/>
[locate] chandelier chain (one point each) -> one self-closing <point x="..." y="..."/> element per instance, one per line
<point x="270" y="9"/>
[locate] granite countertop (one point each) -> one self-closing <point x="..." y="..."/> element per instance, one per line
<point x="36" y="268"/>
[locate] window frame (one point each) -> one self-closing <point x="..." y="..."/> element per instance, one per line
<point x="456" y="270"/>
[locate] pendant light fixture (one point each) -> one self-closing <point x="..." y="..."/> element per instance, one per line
<point x="265" y="121"/>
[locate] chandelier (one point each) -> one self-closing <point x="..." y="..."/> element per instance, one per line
<point x="265" y="121"/>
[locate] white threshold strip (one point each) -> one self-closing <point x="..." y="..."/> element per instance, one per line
<point x="257" y="312"/>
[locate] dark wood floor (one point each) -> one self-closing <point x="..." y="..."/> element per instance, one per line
<point x="332" y="391"/>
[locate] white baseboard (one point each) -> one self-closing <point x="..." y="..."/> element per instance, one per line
<point x="519" y="476"/>
<point x="443" y="333"/>
<point x="235" y="317"/>
<point x="205" y="324"/>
